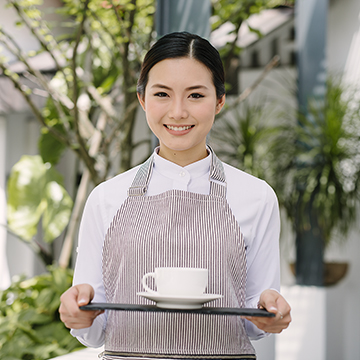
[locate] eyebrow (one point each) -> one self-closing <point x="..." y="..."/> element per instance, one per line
<point x="194" y="87"/>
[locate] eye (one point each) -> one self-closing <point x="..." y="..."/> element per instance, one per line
<point x="161" y="94"/>
<point x="196" y="96"/>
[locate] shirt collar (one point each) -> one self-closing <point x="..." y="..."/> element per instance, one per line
<point x="171" y="170"/>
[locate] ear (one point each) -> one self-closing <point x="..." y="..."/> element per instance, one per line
<point x="220" y="104"/>
<point x="141" y="101"/>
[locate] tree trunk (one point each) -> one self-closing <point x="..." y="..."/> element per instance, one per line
<point x="126" y="143"/>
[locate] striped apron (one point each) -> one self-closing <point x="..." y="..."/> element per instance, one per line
<point x="175" y="229"/>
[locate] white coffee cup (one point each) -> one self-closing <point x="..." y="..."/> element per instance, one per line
<point x="177" y="281"/>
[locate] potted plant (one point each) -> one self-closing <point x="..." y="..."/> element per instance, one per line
<point x="313" y="163"/>
<point x="316" y="174"/>
<point x="241" y="138"/>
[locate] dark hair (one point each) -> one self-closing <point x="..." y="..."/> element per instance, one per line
<point x="184" y="44"/>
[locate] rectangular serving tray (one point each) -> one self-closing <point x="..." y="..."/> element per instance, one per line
<point x="203" y="310"/>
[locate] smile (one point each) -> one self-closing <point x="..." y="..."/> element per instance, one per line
<point x="179" y="128"/>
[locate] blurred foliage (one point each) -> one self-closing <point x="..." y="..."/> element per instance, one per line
<point x="311" y="160"/>
<point x="239" y="11"/>
<point x="95" y="49"/>
<point x="244" y="135"/>
<point x="318" y="162"/>
<point x="30" y="327"/>
<point x="35" y="192"/>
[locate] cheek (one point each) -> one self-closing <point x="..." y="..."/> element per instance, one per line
<point x="154" y="115"/>
<point x="206" y="114"/>
<point x="153" y="109"/>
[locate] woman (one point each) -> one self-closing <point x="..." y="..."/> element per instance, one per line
<point x="183" y="207"/>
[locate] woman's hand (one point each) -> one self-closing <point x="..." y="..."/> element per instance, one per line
<point x="70" y="314"/>
<point x="275" y="303"/>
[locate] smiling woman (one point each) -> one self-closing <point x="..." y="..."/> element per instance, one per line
<point x="182" y="208"/>
<point x="180" y="103"/>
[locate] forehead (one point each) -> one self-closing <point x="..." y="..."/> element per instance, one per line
<point x="180" y="70"/>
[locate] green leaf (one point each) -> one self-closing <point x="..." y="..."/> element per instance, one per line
<point x="51" y="148"/>
<point x="57" y="212"/>
<point x="53" y="332"/>
<point x="44" y="299"/>
<point x="108" y="82"/>
<point x="256" y="31"/>
<point x="30" y="327"/>
<point x="32" y="316"/>
<point x="61" y="279"/>
<point x="48" y="351"/>
<point x="25" y="200"/>
<point x="35" y="190"/>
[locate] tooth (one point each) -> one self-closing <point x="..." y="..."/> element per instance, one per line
<point x="179" y="128"/>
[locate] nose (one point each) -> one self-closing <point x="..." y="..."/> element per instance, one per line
<point x="178" y="110"/>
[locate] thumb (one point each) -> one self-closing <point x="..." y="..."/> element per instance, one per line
<point x="271" y="307"/>
<point x="268" y="300"/>
<point x="85" y="294"/>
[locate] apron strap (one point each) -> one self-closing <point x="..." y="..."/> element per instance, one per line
<point x="217" y="177"/>
<point x="140" y="183"/>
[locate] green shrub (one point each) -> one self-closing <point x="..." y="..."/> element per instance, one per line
<point x="30" y="326"/>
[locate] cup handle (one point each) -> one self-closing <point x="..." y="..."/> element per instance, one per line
<point x="143" y="281"/>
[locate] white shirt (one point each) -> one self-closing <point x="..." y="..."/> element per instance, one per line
<point x="252" y="201"/>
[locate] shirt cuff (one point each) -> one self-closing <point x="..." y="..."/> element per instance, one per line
<point x="93" y="336"/>
<point x="252" y="331"/>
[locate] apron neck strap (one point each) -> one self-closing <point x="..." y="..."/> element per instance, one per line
<point x="217" y="177"/>
<point x="140" y="183"/>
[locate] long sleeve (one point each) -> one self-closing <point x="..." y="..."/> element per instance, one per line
<point x="88" y="266"/>
<point x="256" y="209"/>
<point x="263" y="258"/>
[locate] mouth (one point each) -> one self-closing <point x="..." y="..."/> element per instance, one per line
<point x="179" y="128"/>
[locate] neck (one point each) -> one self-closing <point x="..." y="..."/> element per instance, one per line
<point x="183" y="158"/>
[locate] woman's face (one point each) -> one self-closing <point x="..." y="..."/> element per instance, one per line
<point x="180" y="104"/>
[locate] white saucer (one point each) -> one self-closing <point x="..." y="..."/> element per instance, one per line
<point x="179" y="302"/>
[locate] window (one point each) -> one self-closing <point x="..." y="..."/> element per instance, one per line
<point x="255" y="59"/>
<point x="292" y="34"/>
<point x="274" y="48"/>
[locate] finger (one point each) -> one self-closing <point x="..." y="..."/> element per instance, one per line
<point x="85" y="294"/>
<point x="283" y="306"/>
<point x="268" y="304"/>
<point x="69" y="301"/>
<point x="270" y="327"/>
<point x="70" y="314"/>
<point x="269" y="300"/>
<point x="78" y="319"/>
<point x="274" y="324"/>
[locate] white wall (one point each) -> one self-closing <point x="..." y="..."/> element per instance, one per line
<point x="343" y="323"/>
<point x="343" y="28"/>
<point x="263" y="46"/>
<point x="343" y="320"/>
<point x="326" y="324"/>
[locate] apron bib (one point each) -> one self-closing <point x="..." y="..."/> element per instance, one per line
<point x="175" y="229"/>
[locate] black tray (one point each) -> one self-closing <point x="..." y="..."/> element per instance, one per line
<point x="203" y="310"/>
